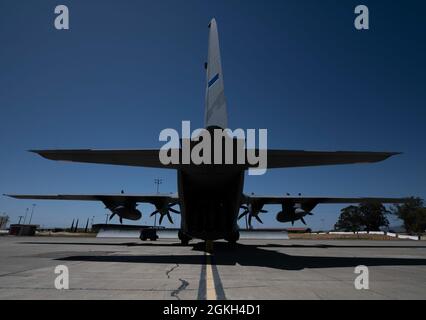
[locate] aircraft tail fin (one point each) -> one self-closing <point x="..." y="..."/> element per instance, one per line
<point x="215" y="108"/>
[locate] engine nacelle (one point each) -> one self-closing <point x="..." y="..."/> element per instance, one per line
<point x="282" y="217"/>
<point x="291" y="216"/>
<point x="127" y="213"/>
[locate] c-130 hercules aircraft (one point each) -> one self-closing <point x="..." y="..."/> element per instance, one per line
<point x="210" y="196"/>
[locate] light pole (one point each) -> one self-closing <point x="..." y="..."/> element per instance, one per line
<point x="32" y="211"/>
<point x="87" y="226"/>
<point x="25" y="218"/>
<point x="157" y="181"/>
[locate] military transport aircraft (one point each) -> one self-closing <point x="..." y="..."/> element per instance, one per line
<point x="210" y="196"/>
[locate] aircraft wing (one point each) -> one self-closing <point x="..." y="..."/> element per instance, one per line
<point x="162" y="202"/>
<point x="106" y="198"/>
<point x="300" y="158"/>
<point x="253" y="205"/>
<point x="318" y="200"/>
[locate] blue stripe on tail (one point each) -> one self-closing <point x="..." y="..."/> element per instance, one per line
<point x="213" y="80"/>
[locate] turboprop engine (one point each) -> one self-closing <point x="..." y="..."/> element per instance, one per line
<point x="126" y="212"/>
<point x="292" y="214"/>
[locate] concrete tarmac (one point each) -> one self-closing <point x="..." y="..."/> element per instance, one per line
<point x="253" y="269"/>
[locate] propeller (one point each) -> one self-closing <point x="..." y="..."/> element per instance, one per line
<point x="124" y="211"/>
<point x="112" y="216"/>
<point x="252" y="210"/>
<point x="164" y="210"/>
<point x="292" y="212"/>
<point x="302" y="219"/>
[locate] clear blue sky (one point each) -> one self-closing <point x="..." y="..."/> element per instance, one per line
<point x="128" y="69"/>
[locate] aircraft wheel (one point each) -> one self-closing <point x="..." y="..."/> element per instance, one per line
<point x="184" y="239"/>
<point x="233" y="238"/>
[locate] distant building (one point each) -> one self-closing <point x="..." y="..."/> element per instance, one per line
<point x="23" y="229"/>
<point x="298" y="230"/>
<point x="3" y="222"/>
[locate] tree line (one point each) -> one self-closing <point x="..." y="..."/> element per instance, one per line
<point x="371" y="216"/>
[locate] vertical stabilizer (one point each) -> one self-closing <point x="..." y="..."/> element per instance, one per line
<point x="215" y="109"/>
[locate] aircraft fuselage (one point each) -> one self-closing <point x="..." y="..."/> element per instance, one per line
<point x="210" y="201"/>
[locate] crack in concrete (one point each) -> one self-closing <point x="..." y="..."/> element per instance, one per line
<point x="173" y="268"/>
<point x="182" y="287"/>
<point x="184" y="284"/>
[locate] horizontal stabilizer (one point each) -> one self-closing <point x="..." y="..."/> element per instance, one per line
<point x="300" y="158"/>
<point x="276" y="158"/>
<point x="138" y="158"/>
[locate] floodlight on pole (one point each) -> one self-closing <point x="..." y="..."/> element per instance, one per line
<point x="32" y="212"/>
<point x="26" y="213"/>
<point x="157" y="181"/>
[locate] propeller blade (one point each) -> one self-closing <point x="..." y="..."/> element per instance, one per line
<point x="161" y="219"/>
<point x="169" y="217"/>
<point x="258" y="219"/>
<point x="263" y="211"/>
<point x="155" y="212"/>
<point x="303" y="220"/>
<point x="174" y="211"/>
<point x="292" y="222"/>
<point x="111" y="216"/>
<point x="244" y="207"/>
<point x="243" y="214"/>
<point x="121" y="220"/>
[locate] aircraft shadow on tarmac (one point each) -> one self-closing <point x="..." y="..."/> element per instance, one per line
<point x="196" y="245"/>
<point x="252" y="255"/>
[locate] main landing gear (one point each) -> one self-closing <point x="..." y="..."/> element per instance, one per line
<point x="184" y="239"/>
<point x="233" y="237"/>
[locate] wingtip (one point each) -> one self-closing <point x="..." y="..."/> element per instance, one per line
<point x="43" y="153"/>
<point x="35" y="151"/>
<point x="391" y="154"/>
<point x="382" y="156"/>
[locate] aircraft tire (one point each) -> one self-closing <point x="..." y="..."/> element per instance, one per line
<point x="233" y="237"/>
<point x="184" y="239"/>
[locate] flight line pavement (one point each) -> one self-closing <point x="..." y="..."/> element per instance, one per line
<point x="253" y="269"/>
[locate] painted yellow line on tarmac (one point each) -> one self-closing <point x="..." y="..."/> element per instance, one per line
<point x="210" y="286"/>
